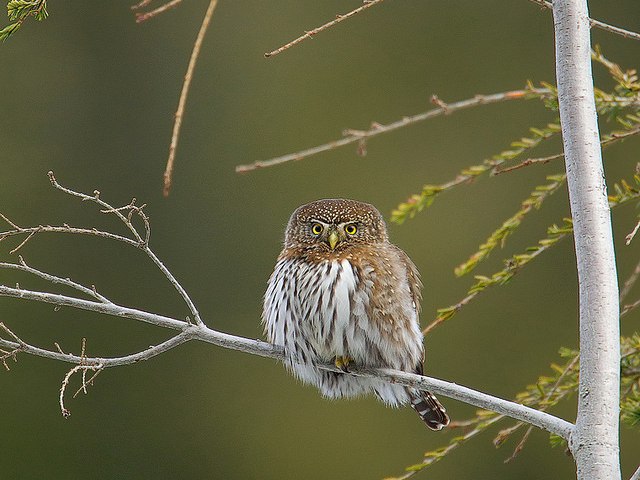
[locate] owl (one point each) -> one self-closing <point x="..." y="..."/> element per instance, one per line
<point x="342" y="293"/>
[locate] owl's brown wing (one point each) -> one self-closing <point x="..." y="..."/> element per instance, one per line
<point x="430" y="410"/>
<point x="413" y="277"/>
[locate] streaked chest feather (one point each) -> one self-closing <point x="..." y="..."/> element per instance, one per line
<point x="326" y="308"/>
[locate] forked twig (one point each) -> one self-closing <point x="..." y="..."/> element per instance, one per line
<point x="65" y="383"/>
<point x="86" y="383"/>
<point x="139" y="240"/>
<point x="15" y="349"/>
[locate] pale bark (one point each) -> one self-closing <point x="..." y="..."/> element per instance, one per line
<point x="594" y="441"/>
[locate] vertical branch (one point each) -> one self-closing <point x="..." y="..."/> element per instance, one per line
<point x="594" y="442"/>
<point x="168" y="172"/>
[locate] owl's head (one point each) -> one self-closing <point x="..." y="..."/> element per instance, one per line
<point x="335" y="224"/>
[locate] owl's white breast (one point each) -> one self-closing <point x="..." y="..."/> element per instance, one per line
<point x="321" y="310"/>
<point x="343" y="291"/>
<point x="336" y="324"/>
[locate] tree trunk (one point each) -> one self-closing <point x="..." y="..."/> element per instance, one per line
<point x="594" y="442"/>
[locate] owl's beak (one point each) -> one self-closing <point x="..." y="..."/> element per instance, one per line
<point x="333" y="239"/>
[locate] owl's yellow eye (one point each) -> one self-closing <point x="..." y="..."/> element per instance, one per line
<point x="351" y="229"/>
<point x="317" y="229"/>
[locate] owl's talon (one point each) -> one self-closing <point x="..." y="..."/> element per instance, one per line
<point x="342" y="362"/>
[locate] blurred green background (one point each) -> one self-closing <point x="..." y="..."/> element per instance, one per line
<point x="91" y="95"/>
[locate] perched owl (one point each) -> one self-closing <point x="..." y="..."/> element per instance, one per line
<point x="340" y="292"/>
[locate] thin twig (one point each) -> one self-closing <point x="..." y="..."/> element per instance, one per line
<point x="629" y="307"/>
<point x="630" y="282"/>
<point x="378" y="129"/>
<point x="429" y="460"/>
<point x="195" y="53"/>
<point x="13" y="354"/>
<point x="141" y="4"/>
<point x="83" y="354"/>
<point x="67" y="229"/>
<point x="636" y="475"/>
<point x="19" y="341"/>
<point x="141" y="17"/>
<point x="95" y="198"/>
<point x="86" y="383"/>
<point x="520" y="445"/>
<point x="613" y="29"/>
<point x="439" y="319"/>
<point x="597" y="23"/>
<point x="526" y="163"/>
<point x="543" y="406"/>
<point x="9" y="222"/>
<point x="615" y="136"/>
<point x="130" y="209"/>
<point x="315" y="31"/>
<point x="629" y="237"/>
<point x="24" y="242"/>
<point x="608" y="140"/>
<point x="16" y="348"/>
<point x="22" y="266"/>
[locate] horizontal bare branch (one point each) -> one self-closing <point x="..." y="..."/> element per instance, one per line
<point x="193" y="331"/>
<point x="473" y="397"/>
<point x="353" y="136"/>
<point x="202" y="333"/>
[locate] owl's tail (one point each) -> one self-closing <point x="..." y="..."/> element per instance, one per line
<point x="430" y="410"/>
